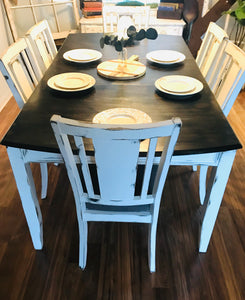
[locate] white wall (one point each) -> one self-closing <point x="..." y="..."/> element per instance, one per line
<point x="5" y="92"/>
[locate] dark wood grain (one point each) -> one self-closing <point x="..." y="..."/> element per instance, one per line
<point x="204" y="129"/>
<point x="117" y="253"/>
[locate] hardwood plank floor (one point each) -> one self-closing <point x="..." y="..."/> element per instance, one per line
<point x="117" y="265"/>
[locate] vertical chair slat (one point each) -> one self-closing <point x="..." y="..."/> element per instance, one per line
<point x="148" y="167"/>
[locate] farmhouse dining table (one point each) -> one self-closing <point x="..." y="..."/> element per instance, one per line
<point x="206" y="137"/>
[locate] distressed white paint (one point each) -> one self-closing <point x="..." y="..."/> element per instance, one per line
<point x="209" y="47"/>
<point x="220" y="161"/>
<point x="19" y="100"/>
<point x="215" y="191"/>
<point x="42" y="43"/>
<point x="116" y="152"/>
<point x="26" y="187"/>
<point x="226" y="78"/>
<point x="20" y="63"/>
<point x="22" y="73"/>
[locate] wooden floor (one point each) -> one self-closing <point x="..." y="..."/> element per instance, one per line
<point x="117" y="253"/>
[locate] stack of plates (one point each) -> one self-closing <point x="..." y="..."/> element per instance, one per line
<point x="82" y="55"/>
<point x="165" y="57"/>
<point x="122" y="116"/>
<point x="71" y="82"/>
<point x="178" y="85"/>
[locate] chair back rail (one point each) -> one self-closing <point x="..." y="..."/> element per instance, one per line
<point x="119" y="18"/>
<point x="42" y="43"/>
<point x="209" y="47"/>
<point x="22" y="70"/>
<point x="227" y="77"/>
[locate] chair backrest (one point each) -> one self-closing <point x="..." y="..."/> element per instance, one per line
<point x="227" y="76"/>
<point x="209" y="47"/>
<point x="42" y="42"/>
<point x="116" y="155"/>
<point x="117" y="18"/>
<point x="141" y="17"/>
<point x="21" y="71"/>
<point x="110" y="19"/>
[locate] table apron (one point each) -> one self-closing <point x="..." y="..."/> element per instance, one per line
<point x="210" y="159"/>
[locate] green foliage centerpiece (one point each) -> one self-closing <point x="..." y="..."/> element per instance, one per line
<point x="132" y="35"/>
<point x="120" y="44"/>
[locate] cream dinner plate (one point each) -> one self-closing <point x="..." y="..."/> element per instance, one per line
<point x="122" y="116"/>
<point x="71" y="82"/>
<point x="179" y="85"/>
<point x="165" y="57"/>
<point x="82" y="55"/>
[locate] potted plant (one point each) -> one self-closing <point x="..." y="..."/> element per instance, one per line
<point x="239" y="26"/>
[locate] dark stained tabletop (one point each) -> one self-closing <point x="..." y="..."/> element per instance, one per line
<point x="205" y="128"/>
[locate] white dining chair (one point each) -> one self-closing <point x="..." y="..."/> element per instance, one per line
<point x="116" y="159"/>
<point x="226" y="79"/>
<point x="110" y="19"/>
<point x="21" y="70"/>
<point x="141" y="17"/>
<point x="119" y="18"/>
<point x="42" y="43"/>
<point x="209" y="47"/>
<point x="22" y="73"/>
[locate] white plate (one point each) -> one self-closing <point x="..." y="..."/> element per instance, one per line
<point x="71" y="82"/>
<point x="122" y="116"/>
<point x="198" y="86"/>
<point x="82" y="55"/>
<point x="177" y="84"/>
<point x="165" y="57"/>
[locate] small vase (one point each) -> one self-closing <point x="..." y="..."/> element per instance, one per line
<point x="123" y="57"/>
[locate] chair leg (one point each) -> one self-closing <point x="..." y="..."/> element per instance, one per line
<point x="152" y="247"/>
<point x="83" y="235"/>
<point x="194" y="168"/>
<point x="202" y="183"/>
<point x="44" y="179"/>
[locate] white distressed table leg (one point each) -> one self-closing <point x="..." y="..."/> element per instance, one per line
<point x="25" y="184"/>
<point x="213" y="198"/>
